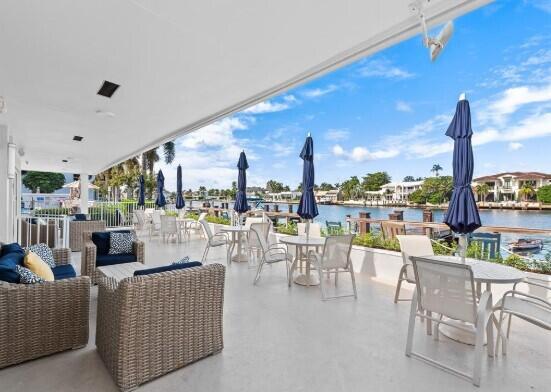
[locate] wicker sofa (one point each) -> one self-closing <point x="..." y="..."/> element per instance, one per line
<point x="153" y="324"/>
<point x="42" y="319"/>
<point x="89" y="255"/>
<point x="77" y="228"/>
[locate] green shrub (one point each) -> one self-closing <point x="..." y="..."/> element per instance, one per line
<point x="289" y="228"/>
<point x="376" y="240"/>
<point x="217" y="219"/>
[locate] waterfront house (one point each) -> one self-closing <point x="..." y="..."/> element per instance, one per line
<point x="399" y="191"/>
<point x="328" y="197"/>
<point x="506" y="186"/>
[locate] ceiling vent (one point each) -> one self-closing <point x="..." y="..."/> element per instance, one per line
<point x="77" y="138"/>
<point x="108" y="88"/>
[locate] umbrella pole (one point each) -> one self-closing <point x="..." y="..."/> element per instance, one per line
<point x="462" y="247"/>
<point x="307" y="229"/>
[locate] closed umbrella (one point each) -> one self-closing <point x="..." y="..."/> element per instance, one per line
<point x="308" y="208"/>
<point x="241" y="205"/>
<point x="160" y="201"/>
<point x="141" y="192"/>
<point x="180" y="202"/>
<point x="462" y="216"/>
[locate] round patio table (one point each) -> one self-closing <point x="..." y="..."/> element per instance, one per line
<point x="236" y="237"/>
<point x="183" y="224"/>
<point x="483" y="272"/>
<point x="300" y="243"/>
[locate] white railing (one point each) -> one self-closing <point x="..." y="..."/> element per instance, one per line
<point x="50" y="230"/>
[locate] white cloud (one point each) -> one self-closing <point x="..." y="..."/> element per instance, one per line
<point x="318" y="92"/>
<point x="219" y="133"/>
<point x="403" y="106"/>
<point x="360" y="153"/>
<point x="514" y="146"/>
<point x="271" y="107"/>
<point x="338" y="150"/>
<point x="512" y="99"/>
<point x="544" y="5"/>
<point x="382" y="68"/>
<point x="336" y="134"/>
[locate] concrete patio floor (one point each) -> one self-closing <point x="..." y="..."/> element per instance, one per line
<point x="281" y="339"/>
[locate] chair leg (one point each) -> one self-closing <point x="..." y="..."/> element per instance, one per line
<point x="490" y="336"/>
<point x="509" y="325"/>
<point x="205" y="253"/>
<point x="353" y="277"/>
<point x="293" y="267"/>
<point x="479" y="346"/>
<point x="320" y="273"/>
<point x="336" y="276"/>
<point x="429" y="323"/>
<point x="258" y="271"/>
<point x="411" y="326"/>
<point x="399" y="285"/>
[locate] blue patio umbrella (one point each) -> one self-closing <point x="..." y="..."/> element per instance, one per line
<point x="241" y="205"/>
<point x="180" y="202"/>
<point x="160" y="201"/>
<point x="462" y="216"/>
<point x="141" y="192"/>
<point x="307" y="208"/>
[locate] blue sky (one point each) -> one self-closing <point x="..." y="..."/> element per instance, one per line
<point x="390" y="111"/>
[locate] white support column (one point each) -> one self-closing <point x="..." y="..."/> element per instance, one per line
<point x="84" y="193"/>
<point x="6" y="217"/>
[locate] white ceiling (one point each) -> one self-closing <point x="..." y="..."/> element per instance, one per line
<point x="180" y="64"/>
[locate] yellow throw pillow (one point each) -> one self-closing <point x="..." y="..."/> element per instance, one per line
<point x="38" y="266"/>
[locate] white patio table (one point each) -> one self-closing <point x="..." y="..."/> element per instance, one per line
<point x="301" y="243"/>
<point x="237" y="233"/>
<point x="183" y="225"/>
<point x="483" y="272"/>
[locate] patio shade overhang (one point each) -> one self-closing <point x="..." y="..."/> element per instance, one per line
<point x="180" y="65"/>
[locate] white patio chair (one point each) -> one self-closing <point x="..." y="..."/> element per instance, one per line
<point x="155" y="226"/>
<point x="196" y="226"/>
<point x="533" y="309"/>
<point x="411" y="245"/>
<point x="269" y="253"/>
<point x="139" y="220"/>
<point x="314" y="231"/>
<point x="254" y="246"/>
<point x="335" y="259"/>
<point x="448" y="290"/>
<point x="169" y="228"/>
<point x="214" y="240"/>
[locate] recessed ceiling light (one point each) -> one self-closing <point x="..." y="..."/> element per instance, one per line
<point x="64" y="160"/>
<point x="108" y="88"/>
<point x="77" y="138"/>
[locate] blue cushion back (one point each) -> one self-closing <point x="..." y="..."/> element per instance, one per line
<point x="166" y="268"/>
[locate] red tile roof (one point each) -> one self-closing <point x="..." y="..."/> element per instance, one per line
<point x="519" y="175"/>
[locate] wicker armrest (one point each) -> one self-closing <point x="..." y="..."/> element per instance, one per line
<point x="138" y="248"/>
<point x="88" y="260"/>
<point x="63" y="306"/>
<point x="62" y="256"/>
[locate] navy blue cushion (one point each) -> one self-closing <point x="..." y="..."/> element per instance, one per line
<point x="80" y="217"/>
<point x="11" y="248"/>
<point x="64" y="271"/>
<point x="103" y="260"/>
<point x="8" y="272"/>
<point x="101" y="239"/>
<point x="166" y="268"/>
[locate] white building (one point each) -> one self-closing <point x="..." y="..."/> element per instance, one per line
<point x="506" y="186"/>
<point x="399" y="191"/>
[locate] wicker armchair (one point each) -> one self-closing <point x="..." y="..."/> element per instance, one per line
<point x="89" y="254"/>
<point x="42" y="319"/>
<point x="77" y="228"/>
<point x="153" y="324"/>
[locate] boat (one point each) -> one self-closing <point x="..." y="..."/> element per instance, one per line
<point x="524" y="244"/>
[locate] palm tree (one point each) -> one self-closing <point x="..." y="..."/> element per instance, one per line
<point x="482" y="190"/>
<point x="526" y="191"/>
<point x="436" y="169"/>
<point x="150" y="157"/>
